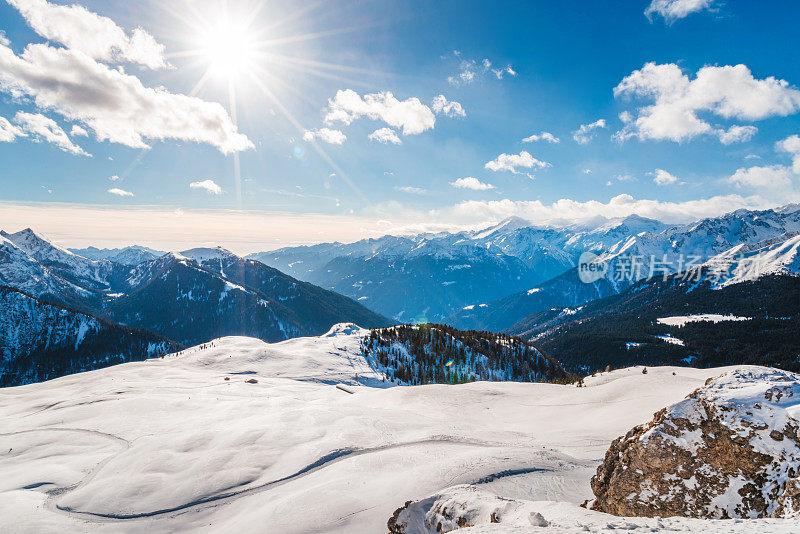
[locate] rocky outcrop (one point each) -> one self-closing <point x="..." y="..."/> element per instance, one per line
<point x="460" y="507"/>
<point x="730" y="449"/>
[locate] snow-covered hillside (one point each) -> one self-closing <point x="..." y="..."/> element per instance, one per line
<point x="241" y="436"/>
<point x="439" y="354"/>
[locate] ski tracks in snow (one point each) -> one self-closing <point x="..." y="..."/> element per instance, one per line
<point x="229" y="495"/>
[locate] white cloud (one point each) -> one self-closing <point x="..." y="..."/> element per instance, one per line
<point x="47" y="129"/>
<point x="208" y="185"/>
<point x="736" y="134"/>
<point x="334" y="137"/>
<point x="385" y="136"/>
<point x="410" y="115"/>
<point x="470" y="70"/>
<point x="9" y="132"/>
<point x="662" y="177"/>
<point x="117" y="106"/>
<point x="544" y="136"/>
<point x="114" y="178"/>
<point x="500" y="73"/>
<point x="728" y="92"/>
<point x="120" y="192"/>
<point x="440" y="105"/>
<point x="96" y="36"/>
<point x="243" y="231"/>
<point x="411" y="190"/>
<point x="471" y="183"/>
<point x="791" y="145"/>
<point x="511" y="162"/>
<point x="586" y="132"/>
<point x="772" y="177"/>
<point x="568" y="210"/>
<point x="78" y="131"/>
<point x="673" y="10"/>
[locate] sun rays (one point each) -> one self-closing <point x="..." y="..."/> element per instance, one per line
<point x="238" y="47"/>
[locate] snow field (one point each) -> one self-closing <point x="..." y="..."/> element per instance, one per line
<point x="171" y="445"/>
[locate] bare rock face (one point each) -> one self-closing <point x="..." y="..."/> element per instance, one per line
<point x="729" y="450"/>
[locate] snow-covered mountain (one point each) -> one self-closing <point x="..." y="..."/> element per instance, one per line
<point x="131" y="255"/>
<point x="737" y="236"/>
<point x="90" y="274"/>
<point x="18" y="269"/>
<point x="742" y="306"/>
<point x="189" y="298"/>
<point x="200" y="294"/>
<point x="430" y="276"/>
<point x="240" y="435"/>
<point x="414" y="279"/>
<point x="566" y="292"/>
<point x="437" y="276"/>
<point x="40" y="341"/>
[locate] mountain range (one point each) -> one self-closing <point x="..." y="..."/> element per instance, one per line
<point x="179" y="298"/>
<point x="513" y="277"/>
<point x="742" y="306"/>
<point x="492" y="278"/>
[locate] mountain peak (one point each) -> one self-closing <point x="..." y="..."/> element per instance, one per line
<point x="36" y="245"/>
<point x="633" y="224"/>
<point x="27" y="233"/>
<point x="201" y="254"/>
<point x="789" y="208"/>
<point x="508" y="224"/>
<point x="637" y="217"/>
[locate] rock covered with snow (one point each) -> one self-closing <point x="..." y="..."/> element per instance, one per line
<point x="469" y="508"/>
<point x="459" y="507"/>
<point x="729" y="450"/>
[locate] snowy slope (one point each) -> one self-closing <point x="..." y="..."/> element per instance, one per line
<point x="774" y="256"/>
<point x="171" y="445"/>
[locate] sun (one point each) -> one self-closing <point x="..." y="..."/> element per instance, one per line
<point x="229" y="47"/>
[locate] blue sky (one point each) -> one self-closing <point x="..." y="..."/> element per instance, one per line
<point x="702" y="136"/>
